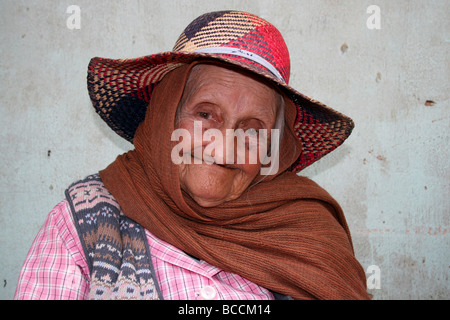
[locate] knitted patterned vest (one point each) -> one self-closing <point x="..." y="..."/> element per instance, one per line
<point x="115" y="246"/>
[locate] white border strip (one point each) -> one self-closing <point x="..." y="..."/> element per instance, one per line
<point x="243" y="53"/>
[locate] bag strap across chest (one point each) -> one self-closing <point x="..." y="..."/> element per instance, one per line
<point x="115" y="246"/>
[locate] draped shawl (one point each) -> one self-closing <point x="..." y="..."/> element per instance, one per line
<point x="284" y="232"/>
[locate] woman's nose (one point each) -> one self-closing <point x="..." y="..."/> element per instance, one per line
<point x="227" y="146"/>
<point x="218" y="146"/>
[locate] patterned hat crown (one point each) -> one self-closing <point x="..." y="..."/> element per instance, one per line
<point x="239" y="36"/>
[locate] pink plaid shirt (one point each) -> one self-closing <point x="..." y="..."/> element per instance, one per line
<point x="56" y="268"/>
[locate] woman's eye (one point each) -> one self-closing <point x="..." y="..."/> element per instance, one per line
<point x="204" y="115"/>
<point x="252" y="131"/>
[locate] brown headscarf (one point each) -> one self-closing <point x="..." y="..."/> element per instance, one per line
<point x="284" y="233"/>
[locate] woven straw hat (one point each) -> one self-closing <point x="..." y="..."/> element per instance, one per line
<point x="120" y="89"/>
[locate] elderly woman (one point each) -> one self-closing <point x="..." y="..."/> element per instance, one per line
<point x="188" y="213"/>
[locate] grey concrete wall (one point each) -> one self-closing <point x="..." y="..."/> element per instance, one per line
<point x="391" y="176"/>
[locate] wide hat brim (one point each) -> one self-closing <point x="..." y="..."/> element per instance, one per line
<point x="121" y="89"/>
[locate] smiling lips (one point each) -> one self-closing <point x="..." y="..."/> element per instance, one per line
<point x="213" y="162"/>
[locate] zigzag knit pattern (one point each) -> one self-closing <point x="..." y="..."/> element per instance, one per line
<point x="115" y="246"/>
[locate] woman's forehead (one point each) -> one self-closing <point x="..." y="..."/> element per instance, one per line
<point x="220" y="83"/>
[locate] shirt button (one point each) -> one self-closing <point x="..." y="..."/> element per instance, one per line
<point x="208" y="293"/>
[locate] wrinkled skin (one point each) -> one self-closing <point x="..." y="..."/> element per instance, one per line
<point x="222" y="99"/>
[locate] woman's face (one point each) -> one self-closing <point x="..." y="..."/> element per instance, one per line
<point x="219" y="98"/>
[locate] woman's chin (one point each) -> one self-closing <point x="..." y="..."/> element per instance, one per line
<point x="206" y="190"/>
<point x="212" y="184"/>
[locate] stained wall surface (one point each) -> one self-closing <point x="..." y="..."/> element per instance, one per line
<point x="391" y="176"/>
